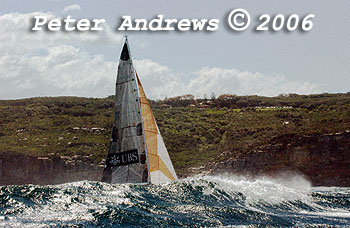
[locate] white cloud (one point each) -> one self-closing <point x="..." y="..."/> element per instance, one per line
<point x="65" y="70"/>
<point x="72" y="7"/>
<point x="16" y="35"/>
<point x="160" y="82"/>
<point x="233" y="81"/>
<point x="51" y="63"/>
<point x="54" y="64"/>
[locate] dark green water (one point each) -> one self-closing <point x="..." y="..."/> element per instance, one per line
<point x="210" y="201"/>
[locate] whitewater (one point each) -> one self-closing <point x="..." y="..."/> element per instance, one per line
<point x="207" y="201"/>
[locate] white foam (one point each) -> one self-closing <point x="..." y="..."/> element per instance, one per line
<point x="272" y="190"/>
<point x="70" y="204"/>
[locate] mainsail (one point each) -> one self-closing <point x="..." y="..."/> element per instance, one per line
<point x="137" y="153"/>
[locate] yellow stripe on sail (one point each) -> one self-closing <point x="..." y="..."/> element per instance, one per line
<point x="153" y="162"/>
<point x="147" y="115"/>
<point x="151" y="143"/>
<point x="151" y="132"/>
<point x="164" y="169"/>
<point x="156" y="163"/>
<point x="150" y="129"/>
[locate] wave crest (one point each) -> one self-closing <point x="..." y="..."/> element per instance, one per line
<point x="224" y="200"/>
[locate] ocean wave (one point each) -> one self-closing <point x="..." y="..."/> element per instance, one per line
<point x="207" y="201"/>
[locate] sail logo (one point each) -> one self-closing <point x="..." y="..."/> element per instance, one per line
<point x="124" y="158"/>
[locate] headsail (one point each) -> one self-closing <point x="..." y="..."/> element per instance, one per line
<point x="137" y="153"/>
<point x="160" y="166"/>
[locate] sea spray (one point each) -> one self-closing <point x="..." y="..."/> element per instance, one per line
<point x="211" y="201"/>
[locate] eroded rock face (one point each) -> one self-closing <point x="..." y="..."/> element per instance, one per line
<point x="323" y="159"/>
<point x="22" y="169"/>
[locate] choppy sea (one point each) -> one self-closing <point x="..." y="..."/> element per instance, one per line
<point x="209" y="201"/>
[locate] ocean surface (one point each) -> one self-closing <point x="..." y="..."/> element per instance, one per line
<point x="209" y="201"/>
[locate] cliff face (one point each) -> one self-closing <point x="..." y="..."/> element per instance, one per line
<point x="22" y="169"/>
<point x="323" y="159"/>
<point x="197" y="133"/>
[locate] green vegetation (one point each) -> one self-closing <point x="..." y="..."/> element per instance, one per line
<point x="195" y="131"/>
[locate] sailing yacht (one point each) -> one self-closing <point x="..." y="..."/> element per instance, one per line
<point x="137" y="153"/>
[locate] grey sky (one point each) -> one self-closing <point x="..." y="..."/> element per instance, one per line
<point x="319" y="57"/>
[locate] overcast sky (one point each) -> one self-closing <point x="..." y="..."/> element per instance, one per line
<point x="174" y="63"/>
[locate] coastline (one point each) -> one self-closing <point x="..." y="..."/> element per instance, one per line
<point x="64" y="139"/>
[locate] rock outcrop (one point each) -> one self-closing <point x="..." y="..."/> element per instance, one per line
<point x="323" y="159"/>
<point x="17" y="169"/>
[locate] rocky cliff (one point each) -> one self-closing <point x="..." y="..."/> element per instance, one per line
<point x="22" y="169"/>
<point x="50" y="140"/>
<point x="323" y="159"/>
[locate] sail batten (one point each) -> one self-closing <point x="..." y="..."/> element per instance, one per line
<point x="137" y="153"/>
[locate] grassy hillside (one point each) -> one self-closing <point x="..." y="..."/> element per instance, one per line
<point x="195" y="131"/>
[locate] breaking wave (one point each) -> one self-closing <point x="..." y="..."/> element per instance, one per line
<point x="209" y="201"/>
